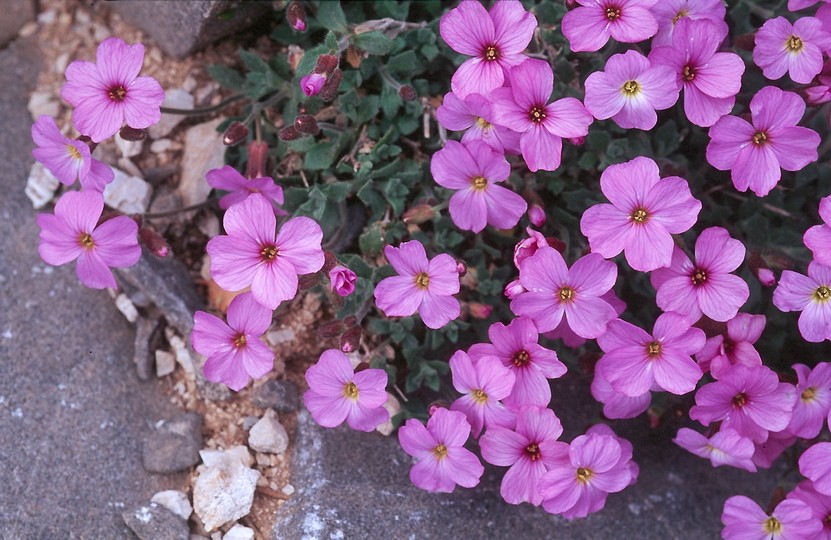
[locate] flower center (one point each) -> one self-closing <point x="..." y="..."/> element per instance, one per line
<point x="653" y="349"/>
<point x="566" y="294"/>
<point x="117" y="93"/>
<point x="482" y="123"/>
<point x="772" y="525"/>
<point x="631" y="88"/>
<point x="681" y="14"/>
<point x="689" y="73"/>
<point x="269" y="253"/>
<point x="639" y="215"/>
<point x="521" y="358"/>
<point x="698" y="277"/>
<point x="808" y="394"/>
<point x="739" y="400"/>
<point x="584" y="475"/>
<point x="491" y="53"/>
<point x="822" y="294"/>
<point x="760" y="138"/>
<point x="240" y="341"/>
<point x="612" y="13"/>
<point x="479" y="396"/>
<point x="479" y="183"/>
<point x="533" y="451"/>
<point x="794" y="44"/>
<point x="73" y="152"/>
<point x="350" y="390"/>
<point x="440" y="451"/>
<point x="537" y="114"/>
<point x="86" y="240"/>
<point x="422" y="280"/>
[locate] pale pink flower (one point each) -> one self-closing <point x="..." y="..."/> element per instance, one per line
<point x="809" y="294"/>
<point x="726" y="447"/>
<point x="68" y="159"/>
<point x="336" y="393"/>
<point x="617" y="404"/>
<point x="814" y="403"/>
<point x="818" y="237"/>
<point x="528" y="246"/>
<point x="590" y="26"/>
<point x="482" y="384"/>
<point x="791" y="520"/>
<point x="819" y="504"/>
<point x="782" y="47"/>
<point x="815" y="464"/>
<point x="474" y="116"/>
<point x="239" y="188"/>
<point x="236" y="352"/>
<point x="668" y="13"/>
<point x="736" y="347"/>
<point x="570" y="339"/>
<point x="767" y="452"/>
<point x="342" y="280"/>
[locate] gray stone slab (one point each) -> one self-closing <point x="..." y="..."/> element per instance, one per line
<point x="356" y="485"/>
<point x="73" y="414"/>
<point x="181" y="27"/>
<point x="16" y="13"/>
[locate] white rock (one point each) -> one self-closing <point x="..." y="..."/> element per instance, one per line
<point x="393" y="407"/>
<point x="238" y="532"/>
<point x="175" y="501"/>
<point x="165" y="364"/>
<point x="41" y="103"/>
<point x="224" y="489"/>
<point x="283" y="335"/>
<point x="47" y="17"/>
<point x="164" y="145"/>
<point x="128" y="149"/>
<point x="175" y="98"/>
<point x="126" y="307"/>
<point x="61" y="62"/>
<point x="40" y="186"/>
<point x="128" y="194"/>
<point x="288" y="489"/>
<point x="129" y="167"/>
<point x="204" y="150"/>
<point x="268" y="435"/>
<point x="209" y="225"/>
<point x="180" y="349"/>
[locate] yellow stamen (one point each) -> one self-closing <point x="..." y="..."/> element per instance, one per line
<point x="760" y="138"/>
<point x="86" y="240"/>
<point x="822" y="294"/>
<point x="521" y="358"/>
<point x="772" y="525"/>
<point x="537" y="114"/>
<point x="479" y="396"/>
<point x="533" y="451"/>
<point x="584" y="475"/>
<point x="794" y="44"/>
<point x="422" y="280"/>
<point x="118" y="93"/>
<point x="491" y="53"/>
<point x="612" y="13"/>
<point x="440" y="451"/>
<point x="808" y="394"/>
<point x="269" y="253"/>
<point x="654" y="349"/>
<point x="631" y="88"/>
<point x="350" y="390"/>
<point x="73" y="152"/>
<point x="698" y="277"/>
<point x="566" y="294"/>
<point x="240" y="341"/>
<point x="479" y="183"/>
<point x="482" y="123"/>
<point x="639" y="215"/>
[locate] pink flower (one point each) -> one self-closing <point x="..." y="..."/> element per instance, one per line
<point x="229" y="179"/>
<point x="236" y="352"/>
<point x="809" y="294"/>
<point x="253" y="254"/>
<point x="526" y="450"/>
<point x="474" y="171"/>
<point x="646" y="211"/>
<point x="536" y="215"/>
<point x="494" y="39"/>
<point x="636" y="362"/>
<point x="617" y="404"/>
<point x="630" y="90"/>
<point x="514" y="289"/>
<point x="109" y="93"/>
<point x="814" y="402"/>
<point x="796" y="5"/>
<point x="336" y="393"/>
<point x="312" y="83"/>
<point x="818" y="237"/>
<point x="754" y="153"/>
<point x="482" y="384"/>
<point x="819" y="504"/>
<point x="570" y="339"/>
<point x="68" y="160"/>
<point x="793" y="48"/>
<point x="71" y="233"/>
<point x="442" y="459"/>
<point x="528" y="246"/>
<point x="517" y="347"/>
<point x="474" y="116"/>
<point x="589" y="26"/>
<point x="524" y="108"/>
<point x="710" y="79"/>
<point x="726" y="447"/>
<point x="582" y="475"/>
<point x="669" y="13"/>
<point x="815" y="464"/>
<point x="767" y="452"/>
<point x="720" y="352"/>
<point x="749" y="399"/>
<point x="744" y="519"/>
<point x="424" y="286"/>
<point x="342" y="280"/>
<point x="555" y="293"/>
<point x="706" y="286"/>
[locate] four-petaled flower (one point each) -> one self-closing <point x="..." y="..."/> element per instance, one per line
<point x="482" y="384"/>
<point x="589" y="26"/>
<point x="793" y="48"/>
<point x="811" y="295"/>
<point x="68" y="159"/>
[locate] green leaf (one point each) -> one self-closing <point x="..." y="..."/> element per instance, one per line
<point x="320" y="156"/>
<point x="372" y="240"/>
<point x="253" y="61"/>
<point x="374" y="42"/>
<point x="331" y="16"/>
<point x="226" y="77"/>
<point x="402" y="63"/>
<point x="331" y="42"/>
<point x="430" y="51"/>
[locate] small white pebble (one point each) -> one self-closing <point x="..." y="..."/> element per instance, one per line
<point x="288" y="489"/>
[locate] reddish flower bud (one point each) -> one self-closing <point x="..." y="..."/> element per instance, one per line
<point x="330" y="329"/>
<point x="436" y="405"/>
<point x="329" y="261"/>
<point x="351" y="339"/>
<point x="235" y="134"/>
<point x="461" y="268"/>
<point x="289" y="133"/>
<point x="308" y="281"/>
<point x="296" y="16"/>
<point x="418" y="214"/>
<point x="576" y="141"/>
<point x="514" y="289"/>
<point x="306" y="123"/>
<point x="556" y="243"/>
<point x="257" y="157"/>
<point x="330" y="89"/>
<point x="350" y="321"/>
<point x="342" y="280"/>
<point x="154" y="242"/>
<point x="479" y="311"/>
<point x="132" y="134"/>
<point x="326" y="64"/>
<point x="407" y="93"/>
<point x="537" y="215"/>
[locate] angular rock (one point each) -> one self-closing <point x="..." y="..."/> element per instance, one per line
<point x="41" y="103"/>
<point x="175" y="98"/>
<point x="165" y="363"/>
<point x="278" y="395"/>
<point x="175" y="444"/>
<point x="224" y="489"/>
<point x="175" y="501"/>
<point x="204" y="150"/>
<point x="268" y="435"/>
<point x="128" y="194"/>
<point x="238" y="532"/>
<point x="155" y="522"/>
<point x="185" y="26"/>
<point x="144" y="334"/>
<point x="128" y="149"/>
<point x="40" y="186"/>
<point x="15" y="15"/>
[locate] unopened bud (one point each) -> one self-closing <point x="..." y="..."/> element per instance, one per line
<point x="514" y="289"/>
<point x="350" y="321"/>
<point x="312" y="84"/>
<point x="407" y="93"/>
<point x="766" y="277"/>
<point x="330" y="89"/>
<point x="418" y="214"/>
<point x="479" y="311"/>
<point x="329" y="261"/>
<point x="576" y="141"/>
<point x="536" y="215"/>
<point x="289" y="133"/>
<point x="154" y="242"/>
<point x="296" y="16"/>
<point x="257" y="157"/>
<point x="330" y="329"/>
<point x="235" y="134"/>
<point x="306" y="123"/>
<point x="350" y="340"/>
<point x="87" y="141"/>
<point x="461" y="268"/>
<point x="308" y="281"/>
<point x="132" y="134"/>
<point x="326" y="64"/>
<point x="362" y="366"/>
<point x="435" y="406"/>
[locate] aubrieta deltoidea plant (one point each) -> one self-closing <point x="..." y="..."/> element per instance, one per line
<point x="593" y="143"/>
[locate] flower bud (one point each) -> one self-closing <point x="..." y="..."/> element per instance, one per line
<point x="326" y="64"/>
<point x="154" y="242"/>
<point x="308" y="281"/>
<point x="576" y="141"/>
<point x="330" y="329"/>
<point x="537" y="215"/>
<point x="407" y="93"/>
<point x="513" y="289"/>
<point x="329" y="261"/>
<point x="132" y="134"/>
<point x="235" y="134"/>
<point x="418" y="214"/>
<point x="257" y="157"/>
<point x="296" y="16"/>
<point x="461" y="268"/>
<point x="306" y="123"/>
<point x="330" y="89"/>
<point x="350" y="321"/>
<point x="761" y="269"/>
<point x="479" y="311"/>
<point x="529" y="246"/>
<point x="312" y="84"/>
<point x="435" y="406"/>
<point x="342" y="280"/>
<point x="289" y="133"/>
<point x="351" y="339"/>
<point x="766" y="277"/>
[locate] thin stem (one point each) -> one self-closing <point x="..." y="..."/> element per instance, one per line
<point x="204" y="110"/>
<point x="199" y="206"/>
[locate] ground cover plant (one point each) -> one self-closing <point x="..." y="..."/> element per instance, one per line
<point x="492" y="195"/>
